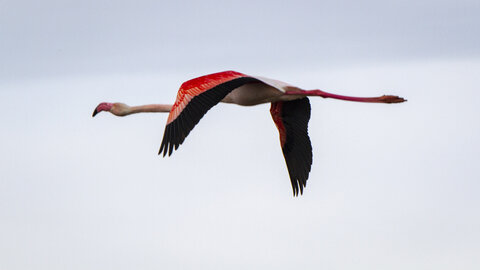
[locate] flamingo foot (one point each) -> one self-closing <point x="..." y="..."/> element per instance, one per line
<point x="391" y="99"/>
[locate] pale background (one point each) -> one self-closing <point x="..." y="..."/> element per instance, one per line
<point x="391" y="187"/>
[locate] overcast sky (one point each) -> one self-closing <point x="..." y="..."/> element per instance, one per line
<point x="391" y="187"/>
<point x="52" y="38"/>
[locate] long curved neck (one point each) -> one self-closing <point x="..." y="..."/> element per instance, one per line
<point x="149" y="108"/>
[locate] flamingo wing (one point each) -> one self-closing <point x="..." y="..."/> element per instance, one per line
<point x="195" y="97"/>
<point x="291" y="119"/>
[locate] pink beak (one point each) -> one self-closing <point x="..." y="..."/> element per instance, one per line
<point x="104" y="106"/>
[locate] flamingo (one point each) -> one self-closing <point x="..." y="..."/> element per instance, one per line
<point x="290" y="110"/>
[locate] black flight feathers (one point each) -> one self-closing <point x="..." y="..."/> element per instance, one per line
<point x="297" y="149"/>
<point x="295" y="115"/>
<point x="178" y="129"/>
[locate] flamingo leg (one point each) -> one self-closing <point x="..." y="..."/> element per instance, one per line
<point x="320" y="93"/>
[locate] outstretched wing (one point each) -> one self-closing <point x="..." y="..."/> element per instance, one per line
<point x="291" y="119"/>
<point x="194" y="99"/>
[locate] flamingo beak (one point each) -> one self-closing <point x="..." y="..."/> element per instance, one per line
<point x="104" y="106"/>
<point x="94" y="112"/>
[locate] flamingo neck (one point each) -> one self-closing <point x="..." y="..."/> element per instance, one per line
<point x="149" y="108"/>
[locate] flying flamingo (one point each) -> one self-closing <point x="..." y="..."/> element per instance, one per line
<point x="290" y="110"/>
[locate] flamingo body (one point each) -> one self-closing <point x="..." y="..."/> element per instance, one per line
<point x="290" y="110"/>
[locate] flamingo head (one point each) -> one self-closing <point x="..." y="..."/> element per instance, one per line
<point x="118" y="109"/>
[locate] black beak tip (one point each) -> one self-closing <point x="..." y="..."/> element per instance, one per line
<point x="94" y="112"/>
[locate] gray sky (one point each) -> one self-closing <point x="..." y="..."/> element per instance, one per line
<point x="53" y="38"/>
<point x="391" y="187"/>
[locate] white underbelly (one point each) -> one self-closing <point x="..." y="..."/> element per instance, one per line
<point x="253" y="94"/>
